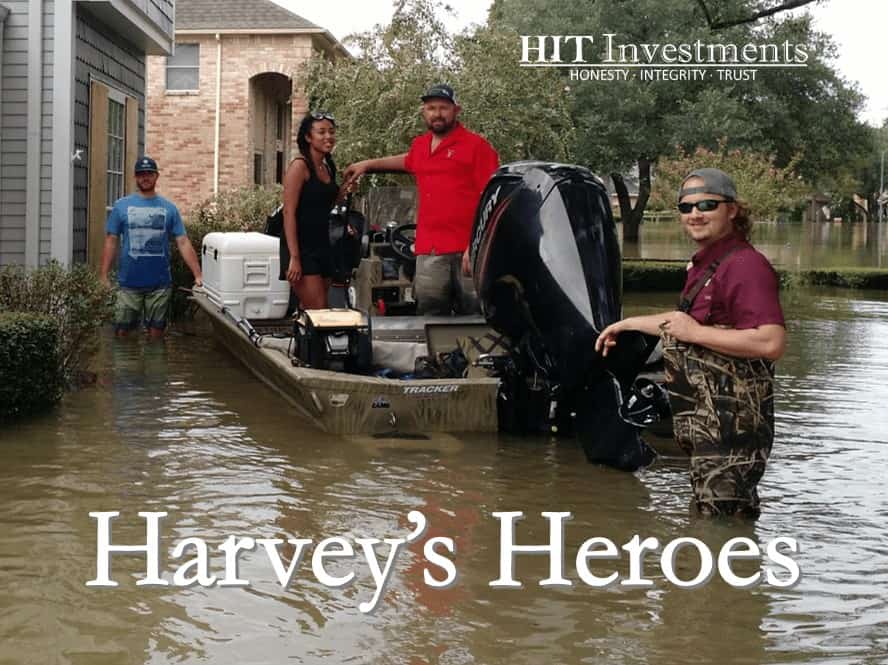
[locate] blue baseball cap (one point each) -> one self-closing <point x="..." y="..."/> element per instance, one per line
<point x="145" y="164"/>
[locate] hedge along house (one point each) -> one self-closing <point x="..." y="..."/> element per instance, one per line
<point x="222" y="110"/>
<point x="72" y="102"/>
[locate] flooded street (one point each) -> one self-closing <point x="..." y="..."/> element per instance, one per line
<point x="788" y="245"/>
<point x="180" y="427"/>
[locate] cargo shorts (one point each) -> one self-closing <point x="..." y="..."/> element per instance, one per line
<point x="148" y="306"/>
<point x="441" y="289"/>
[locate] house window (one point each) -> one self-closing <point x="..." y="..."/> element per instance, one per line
<point x="182" y="68"/>
<point x="116" y="150"/>
<point x="257" y="168"/>
<point x="279" y="129"/>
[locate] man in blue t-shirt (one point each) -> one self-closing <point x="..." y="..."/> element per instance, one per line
<point x="145" y="222"/>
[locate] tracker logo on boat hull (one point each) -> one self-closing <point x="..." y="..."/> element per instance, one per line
<point x="431" y="390"/>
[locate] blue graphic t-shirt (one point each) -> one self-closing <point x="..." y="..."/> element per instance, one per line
<point x="145" y="227"/>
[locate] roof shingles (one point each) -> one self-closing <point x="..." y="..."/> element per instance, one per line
<point x="237" y="15"/>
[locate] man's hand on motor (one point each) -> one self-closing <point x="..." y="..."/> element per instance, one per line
<point x="608" y="337"/>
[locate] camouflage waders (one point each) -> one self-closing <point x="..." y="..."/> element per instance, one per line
<point x="723" y="418"/>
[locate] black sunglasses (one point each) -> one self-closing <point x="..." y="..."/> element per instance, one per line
<point x="323" y="115"/>
<point x="705" y="205"/>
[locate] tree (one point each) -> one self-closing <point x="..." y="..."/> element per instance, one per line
<point x="523" y="115"/>
<point x="805" y="115"/>
<point x="764" y="12"/>
<point x="375" y="96"/>
<point x="767" y="188"/>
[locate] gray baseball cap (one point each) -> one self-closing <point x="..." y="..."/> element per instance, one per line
<point x="715" y="181"/>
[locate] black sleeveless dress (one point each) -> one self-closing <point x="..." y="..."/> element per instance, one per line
<point x="312" y="228"/>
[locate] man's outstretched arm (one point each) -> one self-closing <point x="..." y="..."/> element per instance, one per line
<point x="190" y="258"/>
<point x="392" y="163"/>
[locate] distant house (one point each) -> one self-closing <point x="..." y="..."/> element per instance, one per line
<point x="72" y="104"/>
<point x="223" y="107"/>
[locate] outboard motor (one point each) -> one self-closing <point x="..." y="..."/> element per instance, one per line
<point x="546" y="265"/>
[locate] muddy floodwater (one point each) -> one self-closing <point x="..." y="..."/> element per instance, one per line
<point x="788" y="245"/>
<point x="179" y="427"/>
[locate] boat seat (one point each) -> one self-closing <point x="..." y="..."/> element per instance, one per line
<point x="336" y="318"/>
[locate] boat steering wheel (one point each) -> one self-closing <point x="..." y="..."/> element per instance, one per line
<point x="402" y="241"/>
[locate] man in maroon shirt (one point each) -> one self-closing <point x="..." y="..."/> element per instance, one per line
<point x="719" y="348"/>
<point x="451" y="166"/>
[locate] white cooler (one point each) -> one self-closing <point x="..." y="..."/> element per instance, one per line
<point x="240" y="272"/>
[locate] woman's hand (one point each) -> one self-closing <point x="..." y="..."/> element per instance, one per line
<point x="294" y="271"/>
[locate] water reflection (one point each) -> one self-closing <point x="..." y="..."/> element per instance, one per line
<point x="809" y="245"/>
<point x="180" y="427"/>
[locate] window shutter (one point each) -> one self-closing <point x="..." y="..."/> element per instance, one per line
<point x="132" y="143"/>
<point x="98" y="161"/>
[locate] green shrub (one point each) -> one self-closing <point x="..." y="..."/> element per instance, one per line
<point x="31" y="377"/>
<point x="651" y="275"/>
<point x="645" y="275"/>
<point x="243" y="209"/>
<point x="74" y="300"/>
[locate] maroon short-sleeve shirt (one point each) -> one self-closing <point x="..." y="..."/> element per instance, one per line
<point x="743" y="292"/>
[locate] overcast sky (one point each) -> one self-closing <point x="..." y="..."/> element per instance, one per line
<point x="854" y="24"/>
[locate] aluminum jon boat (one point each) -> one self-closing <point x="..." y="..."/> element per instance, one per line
<point x="546" y="266"/>
<point x="344" y="403"/>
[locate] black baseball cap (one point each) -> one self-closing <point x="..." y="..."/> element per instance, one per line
<point x="440" y="91"/>
<point x="145" y="164"/>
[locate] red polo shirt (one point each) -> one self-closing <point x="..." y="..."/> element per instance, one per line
<point x="449" y="182"/>
<point x="743" y="292"/>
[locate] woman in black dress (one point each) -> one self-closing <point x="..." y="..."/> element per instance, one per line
<point x="310" y="191"/>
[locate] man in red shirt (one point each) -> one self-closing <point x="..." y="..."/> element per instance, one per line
<point x="719" y="348"/>
<point x="451" y="166"/>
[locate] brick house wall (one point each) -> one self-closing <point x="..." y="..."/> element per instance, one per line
<point x="180" y="125"/>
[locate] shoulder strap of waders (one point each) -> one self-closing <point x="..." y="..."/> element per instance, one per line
<point x="686" y="302"/>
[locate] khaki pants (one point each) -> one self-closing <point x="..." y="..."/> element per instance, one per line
<point x="441" y="289"/>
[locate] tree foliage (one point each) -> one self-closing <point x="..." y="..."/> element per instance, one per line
<point x="805" y="116"/>
<point x="802" y="118"/>
<point x="375" y="96"/>
<point x="767" y="188"/>
<point x="716" y="22"/>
